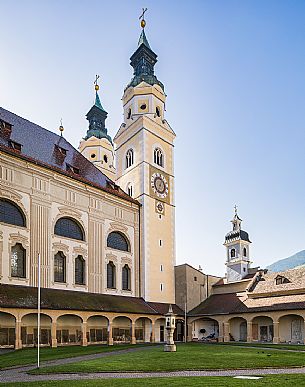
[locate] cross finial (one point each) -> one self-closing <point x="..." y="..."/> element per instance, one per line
<point x="143" y="22"/>
<point x="235" y="208"/>
<point x="96" y="86"/>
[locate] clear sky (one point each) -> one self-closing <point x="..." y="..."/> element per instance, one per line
<point x="234" y="73"/>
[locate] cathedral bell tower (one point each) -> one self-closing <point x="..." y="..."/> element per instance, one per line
<point x="145" y="170"/>
<point x="97" y="145"/>
<point x="237" y="244"/>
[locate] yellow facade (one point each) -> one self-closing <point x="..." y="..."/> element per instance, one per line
<point x="144" y="131"/>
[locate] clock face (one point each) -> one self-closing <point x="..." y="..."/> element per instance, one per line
<point x="160" y="207"/>
<point x="159" y="185"/>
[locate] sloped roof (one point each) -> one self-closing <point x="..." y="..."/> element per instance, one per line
<point x="267" y="282"/>
<point x="162" y="308"/>
<point x="233" y="303"/>
<point x="42" y="147"/>
<point x="13" y="296"/>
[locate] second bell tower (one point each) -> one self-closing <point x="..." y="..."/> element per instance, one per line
<point x="145" y="170"/>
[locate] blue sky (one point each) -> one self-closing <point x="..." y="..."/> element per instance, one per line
<point x="234" y="75"/>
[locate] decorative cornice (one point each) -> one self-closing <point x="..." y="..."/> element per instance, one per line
<point x="58" y="246"/>
<point x="69" y="212"/>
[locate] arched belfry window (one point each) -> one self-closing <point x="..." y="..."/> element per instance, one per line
<point x="80" y="270"/>
<point x="69" y="228"/>
<point x="111" y="275"/>
<point x="129" y="158"/>
<point x="117" y="240"/>
<point x="158" y="157"/>
<point x="245" y="252"/>
<point x="126" y="283"/>
<point x="10" y="213"/>
<point x="18" y="261"/>
<point x="233" y="253"/>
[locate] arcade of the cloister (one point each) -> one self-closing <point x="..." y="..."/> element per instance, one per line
<point x="277" y="327"/>
<point x="18" y="328"/>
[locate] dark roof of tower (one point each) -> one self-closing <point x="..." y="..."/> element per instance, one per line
<point x="237" y="235"/>
<point x="97" y="117"/>
<point x="143" y="61"/>
<point x="24" y="139"/>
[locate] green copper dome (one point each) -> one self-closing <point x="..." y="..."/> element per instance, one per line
<point x="97" y="117"/>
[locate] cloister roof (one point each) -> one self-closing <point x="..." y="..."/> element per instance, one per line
<point x="233" y="303"/>
<point x="14" y="296"/>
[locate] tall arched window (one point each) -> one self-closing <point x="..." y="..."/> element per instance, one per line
<point x="18" y="261"/>
<point x="117" y="240"/>
<point x="158" y="157"/>
<point x="245" y="252"/>
<point x="10" y="213"/>
<point x="233" y="253"/>
<point x="59" y="267"/>
<point x="69" y="228"/>
<point x="129" y="158"/>
<point x="80" y="270"/>
<point x="111" y="275"/>
<point x="129" y="189"/>
<point x="126" y="278"/>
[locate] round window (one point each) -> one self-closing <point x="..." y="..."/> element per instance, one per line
<point x="143" y="106"/>
<point x="105" y="158"/>
<point x="93" y="155"/>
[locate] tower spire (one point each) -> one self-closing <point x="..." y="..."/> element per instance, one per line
<point x="143" y="60"/>
<point x="97" y="116"/>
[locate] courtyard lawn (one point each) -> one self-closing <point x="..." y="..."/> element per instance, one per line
<point x="29" y="355"/>
<point x="291" y="347"/>
<point x="191" y="356"/>
<point x="215" y="381"/>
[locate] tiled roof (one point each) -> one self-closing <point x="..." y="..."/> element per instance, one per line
<point x="267" y="283"/>
<point x="162" y="308"/>
<point x="45" y="148"/>
<point x="233" y="303"/>
<point x="12" y="296"/>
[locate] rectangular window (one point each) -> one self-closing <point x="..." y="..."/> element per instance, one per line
<point x="161" y="287"/>
<point x="59" y="267"/>
<point x="161" y="267"/>
<point x="160" y="242"/>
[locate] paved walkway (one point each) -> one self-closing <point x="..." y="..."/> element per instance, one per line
<point x="19" y="374"/>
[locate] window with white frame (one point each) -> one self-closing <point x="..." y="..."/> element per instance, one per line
<point x="129" y="158"/>
<point x="158" y="157"/>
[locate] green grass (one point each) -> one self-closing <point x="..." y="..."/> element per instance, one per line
<point x="191" y="356"/>
<point x="294" y="347"/>
<point x="29" y="355"/>
<point x="215" y="381"/>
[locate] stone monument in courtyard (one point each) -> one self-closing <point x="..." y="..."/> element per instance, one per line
<point x="170" y="322"/>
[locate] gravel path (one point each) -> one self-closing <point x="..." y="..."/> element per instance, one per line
<point x="19" y="374"/>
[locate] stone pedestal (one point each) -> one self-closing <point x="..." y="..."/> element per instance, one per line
<point x="170" y="348"/>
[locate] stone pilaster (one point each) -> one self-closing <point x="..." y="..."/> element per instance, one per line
<point x="40" y="242"/>
<point x="249" y="332"/>
<point x="276" y="332"/>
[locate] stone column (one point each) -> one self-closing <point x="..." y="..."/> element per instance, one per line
<point x="84" y="334"/>
<point x="18" y="342"/>
<point x="249" y="331"/>
<point x="110" y="339"/>
<point x="226" y="336"/>
<point x="221" y="333"/>
<point x="53" y="334"/>
<point x="153" y="337"/>
<point x="133" y="335"/>
<point x="276" y="332"/>
<point x="189" y="332"/>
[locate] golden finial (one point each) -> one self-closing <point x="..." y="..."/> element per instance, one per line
<point x="143" y="22"/>
<point x="96" y="86"/>
<point x="235" y="208"/>
<point x="61" y="128"/>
